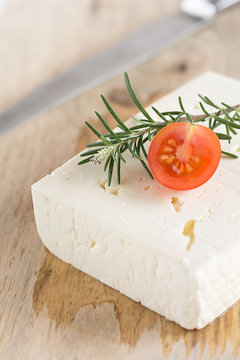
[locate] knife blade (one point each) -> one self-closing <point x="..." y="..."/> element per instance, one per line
<point x="128" y="52"/>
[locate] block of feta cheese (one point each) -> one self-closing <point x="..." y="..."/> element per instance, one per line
<point x="178" y="253"/>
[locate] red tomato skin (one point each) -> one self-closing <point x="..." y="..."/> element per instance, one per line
<point x="203" y="143"/>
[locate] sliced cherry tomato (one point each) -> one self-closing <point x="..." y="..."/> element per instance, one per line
<point x="183" y="156"/>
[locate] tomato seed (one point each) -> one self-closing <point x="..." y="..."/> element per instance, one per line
<point x="195" y="158"/>
<point x="171" y="142"/>
<point x="164" y="157"/>
<point x="168" y="149"/>
<point x="189" y="168"/>
<point x="170" y="159"/>
<point x="182" y="169"/>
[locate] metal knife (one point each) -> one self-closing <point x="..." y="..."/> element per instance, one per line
<point x="128" y="52"/>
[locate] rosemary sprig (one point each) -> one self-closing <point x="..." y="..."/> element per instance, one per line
<point x="111" y="146"/>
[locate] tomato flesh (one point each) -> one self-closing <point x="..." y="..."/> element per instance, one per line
<point x="183" y="156"/>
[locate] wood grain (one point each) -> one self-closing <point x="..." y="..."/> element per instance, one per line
<point x="50" y="310"/>
<point x="48" y="37"/>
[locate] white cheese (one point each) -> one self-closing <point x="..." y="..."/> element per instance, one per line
<point x="135" y="237"/>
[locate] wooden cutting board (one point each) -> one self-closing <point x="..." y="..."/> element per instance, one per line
<point x="50" y="310"/>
